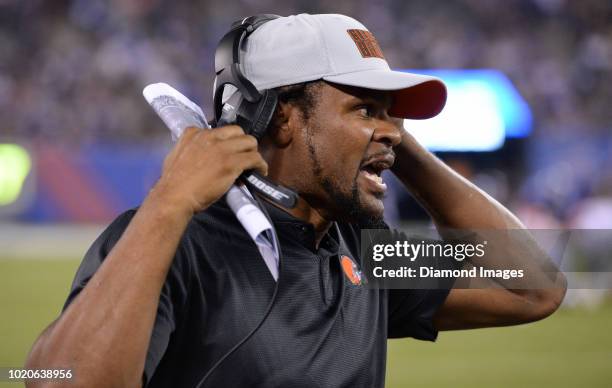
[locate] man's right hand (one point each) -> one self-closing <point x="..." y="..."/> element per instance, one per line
<point x="203" y="165"/>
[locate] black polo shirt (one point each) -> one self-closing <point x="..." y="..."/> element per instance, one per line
<point x="323" y="331"/>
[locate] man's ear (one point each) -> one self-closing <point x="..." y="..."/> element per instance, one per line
<point x="285" y="122"/>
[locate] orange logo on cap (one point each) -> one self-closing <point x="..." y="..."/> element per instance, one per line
<point x="366" y="43"/>
<point x="350" y="270"/>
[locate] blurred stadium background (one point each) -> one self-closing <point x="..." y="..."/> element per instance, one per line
<point x="78" y="145"/>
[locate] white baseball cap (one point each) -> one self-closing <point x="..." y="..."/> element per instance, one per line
<point x="338" y="49"/>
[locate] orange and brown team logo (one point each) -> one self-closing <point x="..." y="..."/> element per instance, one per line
<point x="366" y="43"/>
<point x="351" y="271"/>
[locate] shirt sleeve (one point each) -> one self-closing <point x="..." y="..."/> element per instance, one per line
<point x="411" y="313"/>
<point x="172" y="298"/>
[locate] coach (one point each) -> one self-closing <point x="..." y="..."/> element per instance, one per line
<point x="168" y="289"/>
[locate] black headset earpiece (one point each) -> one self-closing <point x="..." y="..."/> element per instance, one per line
<point x="257" y="116"/>
<point x="248" y="108"/>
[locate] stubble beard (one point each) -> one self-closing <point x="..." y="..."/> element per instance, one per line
<point x="348" y="207"/>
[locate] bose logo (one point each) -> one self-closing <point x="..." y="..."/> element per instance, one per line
<point x="264" y="187"/>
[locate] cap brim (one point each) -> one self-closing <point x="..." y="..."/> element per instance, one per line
<point x="416" y="96"/>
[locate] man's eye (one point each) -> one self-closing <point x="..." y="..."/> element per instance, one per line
<point x="366" y="111"/>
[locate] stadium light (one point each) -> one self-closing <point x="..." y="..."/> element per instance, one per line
<point x="15" y="165"/>
<point x="483" y="109"/>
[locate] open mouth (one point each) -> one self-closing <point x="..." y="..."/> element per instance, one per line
<point x="373" y="168"/>
<point x="373" y="173"/>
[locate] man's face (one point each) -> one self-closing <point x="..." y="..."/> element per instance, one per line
<point x="348" y="140"/>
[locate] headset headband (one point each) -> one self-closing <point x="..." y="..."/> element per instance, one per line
<point x="227" y="61"/>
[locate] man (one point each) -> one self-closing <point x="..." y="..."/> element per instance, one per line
<point x="169" y="289"/>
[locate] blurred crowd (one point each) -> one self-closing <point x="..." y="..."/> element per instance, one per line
<point x="71" y="72"/>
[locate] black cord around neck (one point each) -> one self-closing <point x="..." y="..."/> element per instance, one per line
<point x="268" y="308"/>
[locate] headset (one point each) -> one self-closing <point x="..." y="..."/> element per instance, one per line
<point x="247" y="107"/>
<point x="253" y="111"/>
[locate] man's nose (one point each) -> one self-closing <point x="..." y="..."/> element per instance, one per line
<point x="388" y="131"/>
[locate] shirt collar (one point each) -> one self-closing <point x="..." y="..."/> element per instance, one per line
<point x="303" y="232"/>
